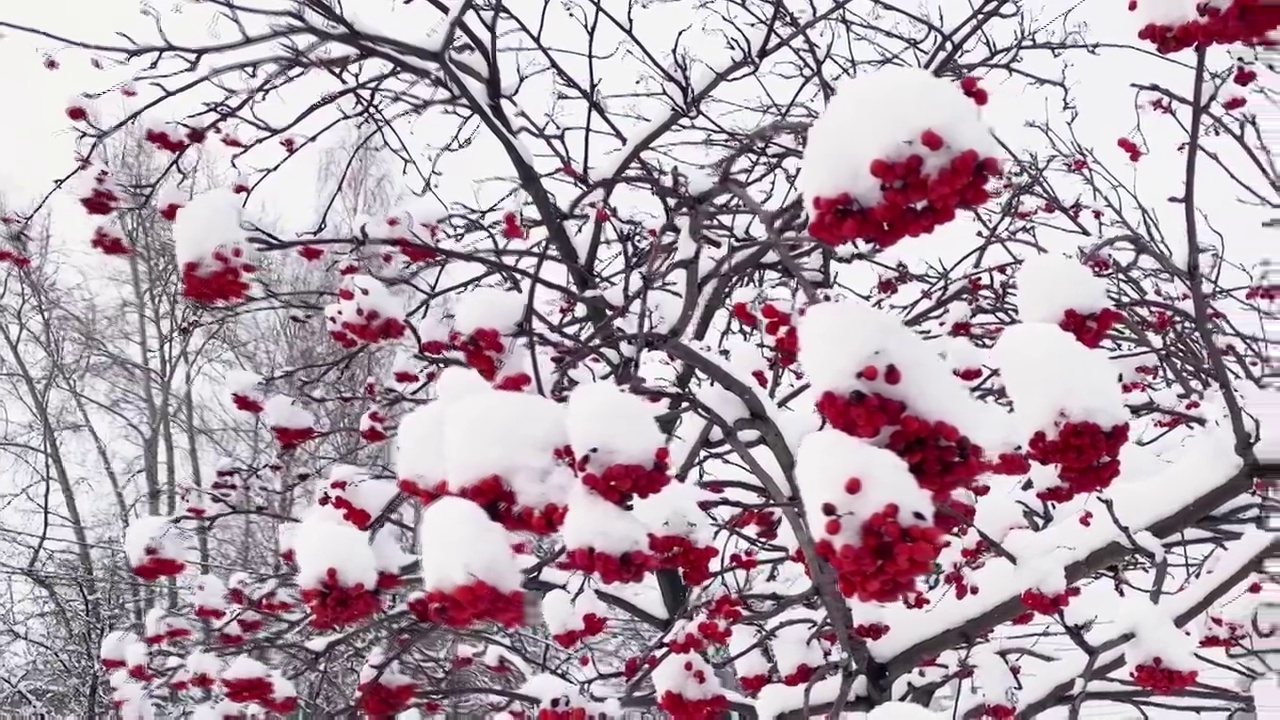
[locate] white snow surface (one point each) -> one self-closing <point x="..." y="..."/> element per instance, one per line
<point x="209" y="222"/>
<point x="828" y="458"/>
<point x="614" y="425"/>
<point x="242" y="382"/>
<point x="460" y="544"/>
<point x="593" y="522"/>
<point x="486" y="307"/>
<point x="245" y="668"/>
<point x="115" y="644"/>
<point x="319" y="545"/>
<point x="155" y="532"/>
<point x="503" y="433"/>
<point x="671" y="675"/>
<point x="837" y="339"/>
<point x="886" y="110"/>
<point x="1049" y="285"/>
<point x="1049" y="375"/>
<point x="283" y="411"/>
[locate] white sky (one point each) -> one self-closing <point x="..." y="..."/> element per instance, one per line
<point x="37" y="145"/>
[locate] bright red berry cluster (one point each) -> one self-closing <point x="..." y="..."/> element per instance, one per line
<point x="1243" y="21"/>
<point x="382" y="700"/>
<point x="155" y="566"/>
<point x="880" y="561"/>
<point x="969" y="86"/>
<point x="592" y="625"/>
<point x="101" y="197"/>
<point x="779" y="327"/>
<point x="334" y="605"/>
<point x="676" y="552"/>
<point x="1086" y="455"/>
<point x="1038" y="602"/>
<point x="481" y="350"/>
<point x="1130" y="147"/>
<point x="679" y="706"/>
<point x="913" y="203"/>
<point x="1161" y="679"/>
<point x="620" y="484"/>
<point x="997" y="712"/>
<point x="1223" y="633"/>
<point x="109" y="241"/>
<point x="249" y="690"/>
<point x="291" y="437"/>
<point x="246" y="402"/>
<point x="498" y="500"/>
<point x="628" y="567"/>
<point x="221" y="278"/>
<point x="1090" y="328"/>
<point x="469" y="604"/>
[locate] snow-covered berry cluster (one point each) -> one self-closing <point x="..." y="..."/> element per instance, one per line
<point x="209" y="245"/>
<point x="778" y="327"/>
<point x="367" y="313"/>
<point x="1173" y="26"/>
<point x="922" y="157"/>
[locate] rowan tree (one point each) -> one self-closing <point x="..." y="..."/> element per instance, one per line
<point x="709" y="357"/>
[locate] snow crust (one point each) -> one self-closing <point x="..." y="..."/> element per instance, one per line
<point x="283" y="411"/>
<point x="612" y="424"/>
<point x="839" y="338"/>
<point x="460" y="544"/>
<point x="319" y="545"/>
<point x="157" y="533"/>
<point x="494" y="308"/>
<point x="1049" y="285"/>
<point x="208" y="223"/>
<point x="881" y="113"/>
<point x="828" y="458"/>
<point x="1049" y="375"/>
<point x="503" y="433"/>
<point x="593" y="522"/>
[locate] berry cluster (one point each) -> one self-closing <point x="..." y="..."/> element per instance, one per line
<point x="373" y="427"/>
<point x="481" y="350"/>
<point x="354" y="324"/>
<point x="498" y="500"/>
<point x="997" y="712"/>
<point x="291" y="437"/>
<point x="676" y="552"/>
<point x="334" y="605"/>
<point x="779" y="327"/>
<point x="880" y="561"/>
<point x="108" y="241"/>
<point x="220" y="279"/>
<point x="1223" y="633"/>
<point x="101" y="197"/>
<point x="592" y="625"/>
<point x="913" y="202"/>
<point x="1161" y="679"/>
<point x="1038" y="602"/>
<point x="1243" y="21"/>
<point x="155" y="566"/>
<point x="620" y="484"/>
<point x="1130" y="147"/>
<point x="1086" y="455"/>
<point x="764" y="521"/>
<point x="1090" y="328"/>
<point x="466" y="605"/>
<point x="247" y="402"/>
<point x="627" y="567"/>
<point x="801" y="675"/>
<point x="384" y="700"/>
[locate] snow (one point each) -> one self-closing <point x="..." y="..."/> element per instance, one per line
<point x="460" y="544"/>
<point x="827" y="459"/>
<point x="1206" y="462"/>
<point x="156" y="533"/>
<point x="210" y="592"/>
<point x="242" y="382"/>
<point x="675" y="674"/>
<point x="202" y="663"/>
<point x="494" y="308"/>
<point x="208" y="223"/>
<point x="245" y="668"/>
<point x="1154" y="635"/>
<point x="743" y="645"/>
<point x="457" y="383"/>
<point x="615" y="426"/>
<point x="886" y="110"/>
<point x="283" y="411"/>
<point x="116" y="643"/>
<point x="1049" y="285"/>
<point x="837" y="339"/>
<point x="319" y="545"/>
<point x="1049" y="375"/>
<point x="792" y="646"/>
<point x="902" y="711"/>
<point x="1170" y="12"/>
<point x="593" y="522"/>
<point x="503" y="433"/>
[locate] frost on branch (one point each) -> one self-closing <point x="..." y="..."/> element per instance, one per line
<point x="367" y="313"/>
<point x="469" y="574"/>
<point x="291" y="424"/>
<point x="1057" y="289"/>
<point x="895" y="154"/>
<point x="337" y="573"/>
<point x="1067" y="400"/>
<point x="210" y="248"/>
<point x="687" y="687"/>
<point x="155" y="548"/>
